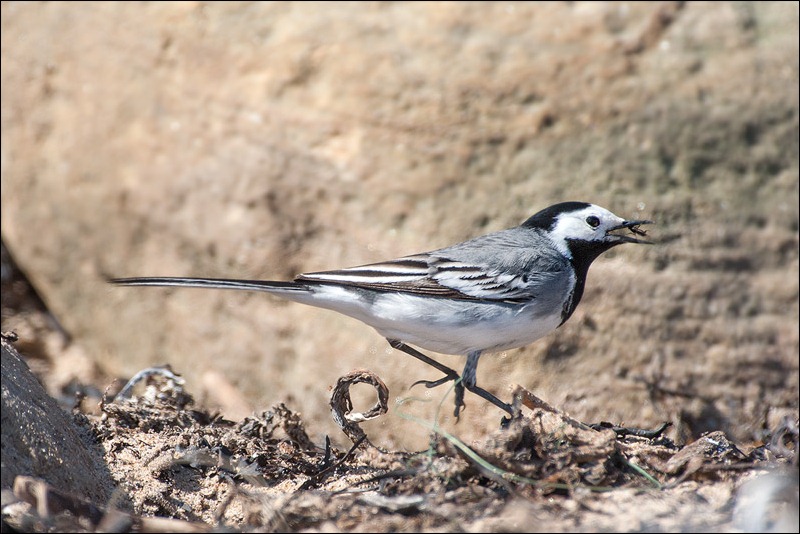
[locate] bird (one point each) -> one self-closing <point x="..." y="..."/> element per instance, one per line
<point x="496" y="292"/>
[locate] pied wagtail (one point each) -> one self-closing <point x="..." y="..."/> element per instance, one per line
<point x="495" y="292"/>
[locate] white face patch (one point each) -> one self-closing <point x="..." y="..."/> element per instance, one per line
<point x="589" y="224"/>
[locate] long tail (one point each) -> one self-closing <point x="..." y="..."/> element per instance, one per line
<point x="213" y="283"/>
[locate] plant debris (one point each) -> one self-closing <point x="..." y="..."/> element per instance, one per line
<point x="183" y="469"/>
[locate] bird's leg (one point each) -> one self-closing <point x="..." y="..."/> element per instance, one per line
<point x="450" y="374"/>
<point x="470" y="378"/>
<point x="467" y="380"/>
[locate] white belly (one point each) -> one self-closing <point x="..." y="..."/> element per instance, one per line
<point x="444" y="325"/>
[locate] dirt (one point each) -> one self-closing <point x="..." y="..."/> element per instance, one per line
<point x="265" y="473"/>
<point x="541" y="471"/>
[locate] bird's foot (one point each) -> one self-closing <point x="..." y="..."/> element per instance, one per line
<point x="459" y="389"/>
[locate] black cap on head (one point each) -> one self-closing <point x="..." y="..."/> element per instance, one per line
<point x="547" y="217"/>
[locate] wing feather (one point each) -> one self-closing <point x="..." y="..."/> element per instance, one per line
<point x="514" y="274"/>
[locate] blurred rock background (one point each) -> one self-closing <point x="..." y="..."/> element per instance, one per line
<point x="260" y="140"/>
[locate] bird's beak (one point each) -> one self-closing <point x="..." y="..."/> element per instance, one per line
<point x="633" y="227"/>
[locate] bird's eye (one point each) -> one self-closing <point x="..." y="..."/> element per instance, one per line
<point x="592" y="221"/>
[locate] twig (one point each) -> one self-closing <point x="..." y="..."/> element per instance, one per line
<point x="166" y="372"/>
<point x="623" y="431"/>
<point x="320" y="474"/>
<point x="49" y="502"/>
<point x="342" y="405"/>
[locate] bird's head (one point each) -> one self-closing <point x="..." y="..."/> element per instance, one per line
<point x="580" y="226"/>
